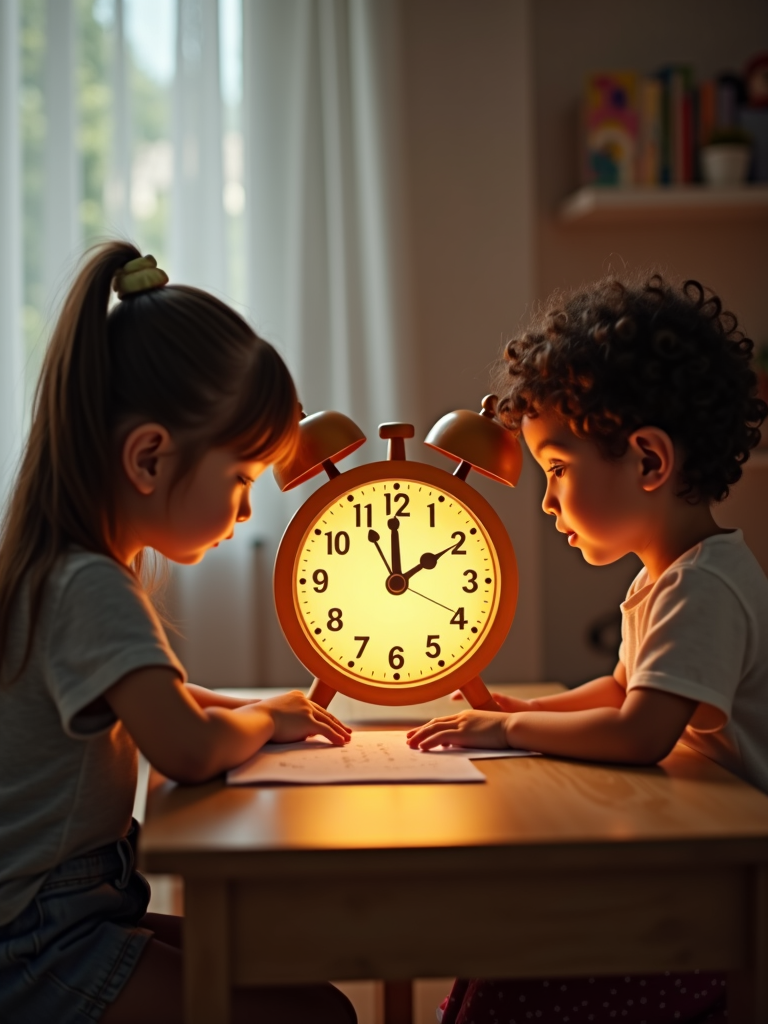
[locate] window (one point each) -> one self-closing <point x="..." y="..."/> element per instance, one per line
<point x="119" y="68"/>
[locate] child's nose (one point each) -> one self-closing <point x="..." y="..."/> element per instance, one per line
<point x="244" y="510"/>
<point x="550" y="503"/>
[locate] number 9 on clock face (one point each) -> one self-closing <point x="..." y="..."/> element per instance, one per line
<point x="396" y="583"/>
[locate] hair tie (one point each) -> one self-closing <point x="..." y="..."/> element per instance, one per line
<point x="139" y="275"/>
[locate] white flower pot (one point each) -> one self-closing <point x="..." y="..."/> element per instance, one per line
<point x="725" y="164"/>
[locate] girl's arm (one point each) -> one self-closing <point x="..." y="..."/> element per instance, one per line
<point x="206" y="698"/>
<point x="642" y="731"/>
<point x="606" y="691"/>
<point x="190" y="743"/>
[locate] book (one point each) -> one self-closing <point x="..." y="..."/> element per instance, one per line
<point x="610" y="128"/>
<point x="677" y="137"/>
<point x="648" y="170"/>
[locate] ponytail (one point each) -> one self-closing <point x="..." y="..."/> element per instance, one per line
<point x="66" y="458"/>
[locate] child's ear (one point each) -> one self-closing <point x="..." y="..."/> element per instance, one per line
<point x="655" y="456"/>
<point x="143" y="455"/>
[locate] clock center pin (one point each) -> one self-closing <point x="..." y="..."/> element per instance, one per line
<point x="397" y="584"/>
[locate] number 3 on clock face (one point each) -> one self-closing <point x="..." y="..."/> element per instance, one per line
<point x="396" y="583"/>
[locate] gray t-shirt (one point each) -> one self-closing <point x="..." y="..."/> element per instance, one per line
<point x="67" y="770"/>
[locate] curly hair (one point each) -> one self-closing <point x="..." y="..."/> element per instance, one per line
<point x="616" y="356"/>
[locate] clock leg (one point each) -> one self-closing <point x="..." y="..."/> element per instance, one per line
<point x="476" y="693"/>
<point x="321" y="693"/>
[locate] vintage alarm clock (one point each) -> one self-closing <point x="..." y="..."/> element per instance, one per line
<point x="396" y="582"/>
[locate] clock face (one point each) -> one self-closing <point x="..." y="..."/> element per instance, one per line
<point x="396" y="583"/>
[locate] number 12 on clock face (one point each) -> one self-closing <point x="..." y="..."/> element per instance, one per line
<point x="396" y="582"/>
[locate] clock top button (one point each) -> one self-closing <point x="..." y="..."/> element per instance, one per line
<point x="396" y="433"/>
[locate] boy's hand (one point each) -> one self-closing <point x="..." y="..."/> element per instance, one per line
<point x="504" y="702"/>
<point x="295" y="718"/>
<point x="466" y="729"/>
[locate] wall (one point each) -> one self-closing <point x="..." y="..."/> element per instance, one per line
<point x="569" y="41"/>
<point x="466" y="85"/>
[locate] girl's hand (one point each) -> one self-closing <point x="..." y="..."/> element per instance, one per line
<point x="467" y="729"/>
<point x="295" y="718"/>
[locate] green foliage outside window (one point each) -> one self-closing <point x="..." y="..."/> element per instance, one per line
<point x="150" y="110"/>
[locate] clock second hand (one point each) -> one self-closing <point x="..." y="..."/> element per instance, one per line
<point x="416" y="592"/>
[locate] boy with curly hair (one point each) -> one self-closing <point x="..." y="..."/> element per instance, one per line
<point x="638" y="402"/>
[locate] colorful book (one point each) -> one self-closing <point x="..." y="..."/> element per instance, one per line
<point x="649" y="132"/>
<point x="610" y="127"/>
<point x="677" y="139"/>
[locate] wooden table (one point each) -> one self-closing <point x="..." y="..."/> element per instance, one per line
<point x="551" y="867"/>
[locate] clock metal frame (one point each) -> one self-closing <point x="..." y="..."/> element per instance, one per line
<point x="330" y="678"/>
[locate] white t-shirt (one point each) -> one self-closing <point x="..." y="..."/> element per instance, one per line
<point x="67" y="771"/>
<point x="701" y="631"/>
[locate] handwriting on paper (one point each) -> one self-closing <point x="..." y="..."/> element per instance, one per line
<point x="369" y="757"/>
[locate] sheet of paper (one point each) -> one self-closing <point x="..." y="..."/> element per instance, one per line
<point x="481" y="754"/>
<point x="368" y="757"/>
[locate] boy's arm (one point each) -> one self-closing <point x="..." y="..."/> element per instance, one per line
<point x="605" y="691"/>
<point x="642" y="731"/>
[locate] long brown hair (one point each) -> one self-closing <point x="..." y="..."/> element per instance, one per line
<point x="173" y="355"/>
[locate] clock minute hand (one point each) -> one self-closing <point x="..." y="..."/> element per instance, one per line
<point x="374" y="538"/>
<point x="394" y="526"/>
<point x="428" y="561"/>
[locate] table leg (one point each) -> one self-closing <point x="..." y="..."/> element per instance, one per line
<point x="207" y="990"/>
<point x="398" y="1002"/>
<point x="748" y="989"/>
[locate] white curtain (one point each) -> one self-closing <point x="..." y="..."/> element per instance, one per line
<point x="198" y="246"/>
<point x="324" y="283"/>
<point x="11" y="256"/>
<point x="323" y="198"/>
<point x="118" y="190"/>
<point x="62" y="233"/>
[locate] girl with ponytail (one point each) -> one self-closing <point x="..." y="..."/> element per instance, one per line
<point x="151" y="421"/>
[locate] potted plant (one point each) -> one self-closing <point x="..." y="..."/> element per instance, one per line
<point x="725" y="160"/>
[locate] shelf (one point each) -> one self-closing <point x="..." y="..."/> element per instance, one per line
<point x="669" y="203"/>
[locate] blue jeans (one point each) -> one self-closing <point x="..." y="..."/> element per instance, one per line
<point x="67" y="955"/>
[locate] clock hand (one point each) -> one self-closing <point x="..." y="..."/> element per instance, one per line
<point x="374" y="538"/>
<point x="428" y="561"/>
<point x="416" y="592"/>
<point x="394" y="526"/>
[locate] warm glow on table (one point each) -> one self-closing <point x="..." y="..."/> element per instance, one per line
<point x="609" y="868"/>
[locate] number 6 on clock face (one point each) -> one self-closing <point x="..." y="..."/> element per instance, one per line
<point x="396" y="581"/>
